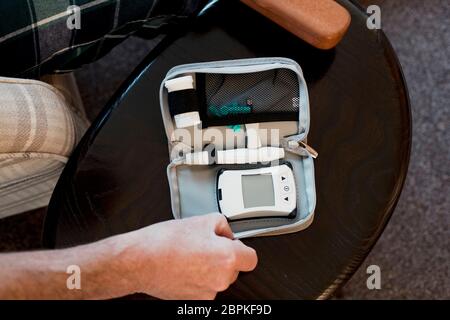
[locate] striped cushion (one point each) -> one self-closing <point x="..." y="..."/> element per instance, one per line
<point x="38" y="131"/>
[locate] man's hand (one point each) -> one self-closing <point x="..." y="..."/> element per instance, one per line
<point x="181" y="259"/>
<point x="192" y="258"/>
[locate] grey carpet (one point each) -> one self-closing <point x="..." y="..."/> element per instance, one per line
<point x="414" y="250"/>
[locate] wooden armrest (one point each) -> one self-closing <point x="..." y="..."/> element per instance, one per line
<point x="321" y="23"/>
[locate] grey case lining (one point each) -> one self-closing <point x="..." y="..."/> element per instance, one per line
<point x="192" y="187"/>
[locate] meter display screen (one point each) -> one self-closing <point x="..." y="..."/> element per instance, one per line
<point x="257" y="190"/>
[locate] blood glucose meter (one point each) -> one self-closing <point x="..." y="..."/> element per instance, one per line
<point x="252" y="193"/>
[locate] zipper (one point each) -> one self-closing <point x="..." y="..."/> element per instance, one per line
<point x="235" y="69"/>
<point x="234" y="63"/>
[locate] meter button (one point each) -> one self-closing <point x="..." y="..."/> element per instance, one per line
<point x="286" y="188"/>
<point x="288" y="199"/>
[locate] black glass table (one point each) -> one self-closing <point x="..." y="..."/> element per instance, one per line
<point x="360" y="124"/>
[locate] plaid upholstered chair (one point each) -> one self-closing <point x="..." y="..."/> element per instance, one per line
<point x="40" y="124"/>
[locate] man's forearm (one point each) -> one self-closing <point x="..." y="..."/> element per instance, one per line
<point x="105" y="272"/>
<point x="191" y="258"/>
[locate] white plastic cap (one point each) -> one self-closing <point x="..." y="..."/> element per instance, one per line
<point x="187" y="119"/>
<point x="181" y="83"/>
<point x="197" y="158"/>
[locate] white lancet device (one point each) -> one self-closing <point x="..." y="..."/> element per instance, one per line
<point x="262" y="192"/>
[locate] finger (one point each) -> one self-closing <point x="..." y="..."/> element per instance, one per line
<point x="205" y="295"/>
<point x="234" y="277"/>
<point x="222" y="228"/>
<point x="247" y="258"/>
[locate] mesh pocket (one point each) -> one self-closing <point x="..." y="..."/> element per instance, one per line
<point x="271" y="91"/>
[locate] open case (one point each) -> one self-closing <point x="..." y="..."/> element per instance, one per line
<point x="246" y="114"/>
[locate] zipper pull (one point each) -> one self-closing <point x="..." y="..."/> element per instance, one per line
<point x="308" y="148"/>
<point x="293" y="145"/>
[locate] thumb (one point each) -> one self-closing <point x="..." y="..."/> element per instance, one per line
<point x="222" y="228"/>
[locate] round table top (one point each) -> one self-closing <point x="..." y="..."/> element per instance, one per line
<point x="360" y="124"/>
